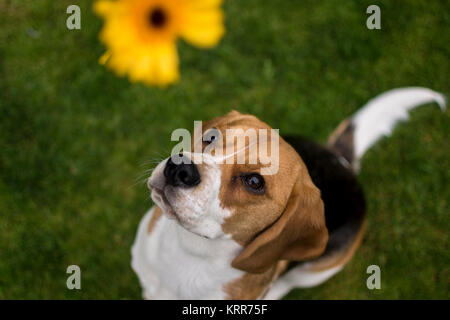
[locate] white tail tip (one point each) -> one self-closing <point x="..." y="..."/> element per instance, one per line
<point x="378" y="117"/>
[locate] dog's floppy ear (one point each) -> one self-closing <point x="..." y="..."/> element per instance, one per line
<point x="298" y="234"/>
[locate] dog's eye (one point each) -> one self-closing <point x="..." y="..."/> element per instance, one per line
<point x="212" y="139"/>
<point x="209" y="140"/>
<point x="254" y="182"/>
<point x="211" y="136"/>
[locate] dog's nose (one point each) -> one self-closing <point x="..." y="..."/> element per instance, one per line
<point x="183" y="174"/>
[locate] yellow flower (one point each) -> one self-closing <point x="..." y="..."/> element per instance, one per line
<point x="141" y="35"/>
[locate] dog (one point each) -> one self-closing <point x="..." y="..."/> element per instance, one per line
<point x="224" y="231"/>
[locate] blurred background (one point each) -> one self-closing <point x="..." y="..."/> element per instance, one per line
<point x="76" y="142"/>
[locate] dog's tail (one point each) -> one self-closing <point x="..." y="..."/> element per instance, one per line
<point x="355" y="135"/>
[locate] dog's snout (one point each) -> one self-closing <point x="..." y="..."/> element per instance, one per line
<point x="181" y="173"/>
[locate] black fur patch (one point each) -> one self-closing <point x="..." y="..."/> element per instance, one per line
<point x="344" y="143"/>
<point x="343" y="197"/>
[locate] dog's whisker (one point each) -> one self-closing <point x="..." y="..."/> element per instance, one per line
<point x="144" y="175"/>
<point x="151" y="161"/>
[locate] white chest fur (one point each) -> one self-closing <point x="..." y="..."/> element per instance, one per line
<point x="173" y="263"/>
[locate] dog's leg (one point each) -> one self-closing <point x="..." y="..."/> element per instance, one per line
<point x="278" y="290"/>
<point x="299" y="277"/>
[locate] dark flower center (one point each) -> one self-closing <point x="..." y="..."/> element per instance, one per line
<point x="157" y="17"/>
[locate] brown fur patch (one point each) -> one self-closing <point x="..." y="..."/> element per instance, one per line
<point x="341" y="257"/>
<point x="157" y="212"/>
<point x="253" y="286"/>
<point x="286" y="221"/>
<point x="341" y="141"/>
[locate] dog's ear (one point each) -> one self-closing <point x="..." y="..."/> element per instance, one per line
<point x="298" y="234"/>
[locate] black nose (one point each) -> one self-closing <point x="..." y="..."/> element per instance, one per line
<point x="183" y="173"/>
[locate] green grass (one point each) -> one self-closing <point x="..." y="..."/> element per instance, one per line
<point x="75" y="141"/>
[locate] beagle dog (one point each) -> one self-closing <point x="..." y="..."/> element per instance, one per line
<point x="224" y="231"/>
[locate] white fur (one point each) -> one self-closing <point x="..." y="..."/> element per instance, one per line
<point x="198" y="209"/>
<point x="187" y="255"/>
<point x="173" y="263"/>
<point x="299" y="277"/>
<point x="378" y="117"/>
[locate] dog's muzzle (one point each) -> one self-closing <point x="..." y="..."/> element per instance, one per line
<point x="181" y="172"/>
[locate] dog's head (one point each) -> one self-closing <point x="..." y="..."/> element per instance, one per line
<point x="277" y="216"/>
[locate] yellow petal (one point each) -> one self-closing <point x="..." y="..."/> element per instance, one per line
<point x="204" y="28"/>
<point x="198" y="4"/>
<point x="157" y="65"/>
<point x="104" y="58"/>
<point x="103" y="7"/>
<point x="166" y="64"/>
<point x="141" y="68"/>
<point x="144" y="53"/>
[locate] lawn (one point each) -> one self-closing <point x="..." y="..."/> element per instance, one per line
<point x="76" y="142"/>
